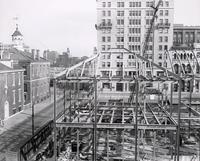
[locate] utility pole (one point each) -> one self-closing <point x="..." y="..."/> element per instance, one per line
<point x="54" y="120"/>
<point x="33" y="118"/>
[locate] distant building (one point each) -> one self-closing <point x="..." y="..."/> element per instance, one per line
<point x="186" y="36"/>
<point x="50" y="56"/>
<point x="11" y="90"/>
<point x="17" y="42"/>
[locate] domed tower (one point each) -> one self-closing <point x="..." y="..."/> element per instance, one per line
<point x="17" y="39"/>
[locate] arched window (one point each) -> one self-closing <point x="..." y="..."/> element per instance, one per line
<point x="189" y="69"/>
<point x="174" y="55"/>
<point x="181" y="55"/>
<point x="185" y="57"/>
<point x="183" y="66"/>
<point x="176" y="68"/>
<point x="191" y="56"/>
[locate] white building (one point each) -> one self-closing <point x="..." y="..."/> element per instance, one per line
<point x="124" y="24"/>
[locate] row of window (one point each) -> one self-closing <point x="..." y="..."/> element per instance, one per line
<point x="163" y="39"/>
<point x="14" y="75"/>
<point x="121" y="21"/>
<point x="136" y="4"/>
<point x="136" y="13"/>
<point x="134" y="47"/>
<point x="134" y="39"/>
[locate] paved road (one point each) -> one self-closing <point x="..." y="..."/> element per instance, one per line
<point x="13" y="138"/>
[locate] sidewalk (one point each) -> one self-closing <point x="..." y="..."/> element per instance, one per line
<point x="24" y="114"/>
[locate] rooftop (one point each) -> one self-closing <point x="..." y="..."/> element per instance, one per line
<point x="17" y="32"/>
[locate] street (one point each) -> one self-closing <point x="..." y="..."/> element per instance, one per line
<point x="13" y="138"/>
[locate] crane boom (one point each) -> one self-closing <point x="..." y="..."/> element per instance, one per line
<point x="151" y="27"/>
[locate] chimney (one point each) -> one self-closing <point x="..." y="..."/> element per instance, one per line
<point x="38" y="54"/>
<point x="33" y="55"/>
<point x="45" y="54"/>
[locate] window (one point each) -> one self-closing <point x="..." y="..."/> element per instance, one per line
<point x="108" y="57"/>
<point x="106" y="85"/>
<point x="108" y="39"/>
<point x="109" y="13"/>
<point x="109" y="4"/>
<point x="13" y="79"/>
<point x="120" y="46"/>
<point x="160" y="47"/>
<point x="149" y="3"/>
<point x="20" y="95"/>
<point x="103" y="47"/>
<point x="103" y="39"/>
<point x="25" y="88"/>
<point x="108" y="47"/>
<point x="134" y="30"/>
<point x="120" y="13"/>
<point x="134" y="21"/>
<point x="120" y="30"/>
<point x="103" y="64"/>
<point x="161" y="4"/>
<point x="104" y="4"/>
<point x="166" y="39"/>
<point x="108" y="64"/>
<point x="19" y="78"/>
<point x="13" y="96"/>
<point x="161" y="12"/>
<point x="160" y="39"/>
<point x="167" y="4"/>
<point x="160" y="64"/>
<point x="134" y="13"/>
<point x="120" y="39"/>
<point x="134" y="39"/>
<point x="120" y="21"/>
<point x="166" y="21"/>
<point x="165" y="47"/>
<point x="120" y="4"/>
<point x="119" y="87"/>
<point x="134" y="4"/>
<point x="103" y="57"/>
<point x="166" y="13"/>
<point x="103" y="13"/>
<point x="119" y="64"/>
<point x="160" y="56"/>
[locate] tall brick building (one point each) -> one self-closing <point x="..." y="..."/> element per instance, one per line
<point x="11" y="90"/>
<point x="36" y="74"/>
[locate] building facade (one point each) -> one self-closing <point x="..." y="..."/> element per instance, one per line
<point x="36" y="75"/>
<point x="124" y="24"/>
<point x="11" y="91"/>
<point x="186" y="36"/>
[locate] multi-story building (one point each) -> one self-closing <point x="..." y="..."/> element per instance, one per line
<point x="11" y="90"/>
<point x="186" y="36"/>
<point x="37" y="69"/>
<point x="124" y="24"/>
<point x="36" y="75"/>
<point x="50" y="56"/>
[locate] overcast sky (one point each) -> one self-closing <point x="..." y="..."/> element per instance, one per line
<point x="59" y="24"/>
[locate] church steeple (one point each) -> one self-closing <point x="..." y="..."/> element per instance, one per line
<point x="17" y="39"/>
<point x="17" y="32"/>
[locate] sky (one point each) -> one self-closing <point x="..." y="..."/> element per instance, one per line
<point x="61" y="24"/>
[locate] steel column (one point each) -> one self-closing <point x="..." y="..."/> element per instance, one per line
<point x="136" y="118"/>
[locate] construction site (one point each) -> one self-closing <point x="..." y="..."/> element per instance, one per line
<point x="148" y="118"/>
